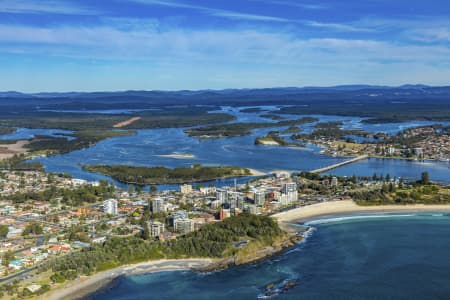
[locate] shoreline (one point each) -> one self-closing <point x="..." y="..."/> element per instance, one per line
<point x="87" y="285"/>
<point x="347" y="206"/>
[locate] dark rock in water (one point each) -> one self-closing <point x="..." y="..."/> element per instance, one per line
<point x="290" y="284"/>
<point x="276" y="288"/>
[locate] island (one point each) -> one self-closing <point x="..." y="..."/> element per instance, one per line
<point x="163" y="175"/>
<point x="273" y="138"/>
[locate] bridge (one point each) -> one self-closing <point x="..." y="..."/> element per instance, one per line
<point x="347" y="162"/>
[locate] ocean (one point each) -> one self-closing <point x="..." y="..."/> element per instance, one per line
<point x="371" y="256"/>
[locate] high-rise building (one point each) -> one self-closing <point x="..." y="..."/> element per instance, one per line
<point x="290" y="190"/>
<point x="232" y="199"/>
<point x="183" y="226"/>
<point x="241" y="201"/>
<point x="110" y="206"/>
<point x="259" y="198"/>
<point x="158" y="205"/>
<point x="221" y="196"/>
<point x="180" y="214"/>
<point x="156" y="228"/>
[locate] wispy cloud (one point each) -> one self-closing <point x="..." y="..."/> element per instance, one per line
<point x="338" y="26"/>
<point x="310" y="6"/>
<point x="425" y="29"/>
<point x="440" y="34"/>
<point x="43" y="7"/>
<point x="215" y="12"/>
<point x="258" y="46"/>
<point x="244" y="16"/>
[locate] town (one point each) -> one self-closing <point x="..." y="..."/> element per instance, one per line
<point x="419" y="143"/>
<point x="49" y="215"/>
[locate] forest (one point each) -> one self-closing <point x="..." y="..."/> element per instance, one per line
<point x="162" y="175"/>
<point x="211" y="241"/>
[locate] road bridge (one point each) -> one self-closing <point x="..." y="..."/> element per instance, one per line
<point x="347" y="162"/>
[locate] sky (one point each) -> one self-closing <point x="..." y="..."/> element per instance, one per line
<point x="109" y="45"/>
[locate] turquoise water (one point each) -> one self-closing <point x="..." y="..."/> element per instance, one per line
<point x="402" y="256"/>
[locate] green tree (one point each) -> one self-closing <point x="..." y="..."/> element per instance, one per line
<point x="388" y="177"/>
<point x="7" y="257"/>
<point x="146" y="232"/>
<point x="32" y="228"/>
<point x="425" y="178"/>
<point x="3" y="231"/>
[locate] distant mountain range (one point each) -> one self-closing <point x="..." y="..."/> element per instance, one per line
<point x="264" y="91"/>
<point x="386" y="104"/>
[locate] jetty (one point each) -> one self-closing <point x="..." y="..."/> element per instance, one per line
<point x="347" y="162"/>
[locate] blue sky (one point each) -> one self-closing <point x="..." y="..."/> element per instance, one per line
<point x="92" y="45"/>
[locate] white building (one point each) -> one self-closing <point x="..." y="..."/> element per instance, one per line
<point x="418" y="151"/>
<point x="221" y="195"/>
<point x="334" y="181"/>
<point x="158" y="205"/>
<point x="259" y="197"/>
<point x="110" y="206"/>
<point x="290" y="190"/>
<point x="183" y="226"/>
<point x="208" y="190"/>
<point x="156" y="228"/>
<point x="186" y="188"/>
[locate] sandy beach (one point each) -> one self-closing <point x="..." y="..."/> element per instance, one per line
<point x="9" y="150"/>
<point x="348" y="206"/>
<point x="88" y="284"/>
<point x="257" y="172"/>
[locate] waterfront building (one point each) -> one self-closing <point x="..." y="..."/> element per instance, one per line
<point x="183" y="226"/>
<point x="418" y="151"/>
<point x="391" y="151"/>
<point x="110" y="206"/>
<point x="210" y="190"/>
<point x="186" y="188"/>
<point x="158" y="205"/>
<point x="290" y="190"/>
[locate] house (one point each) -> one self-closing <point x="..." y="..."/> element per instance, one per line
<point x="56" y="249"/>
<point x="33" y="288"/>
